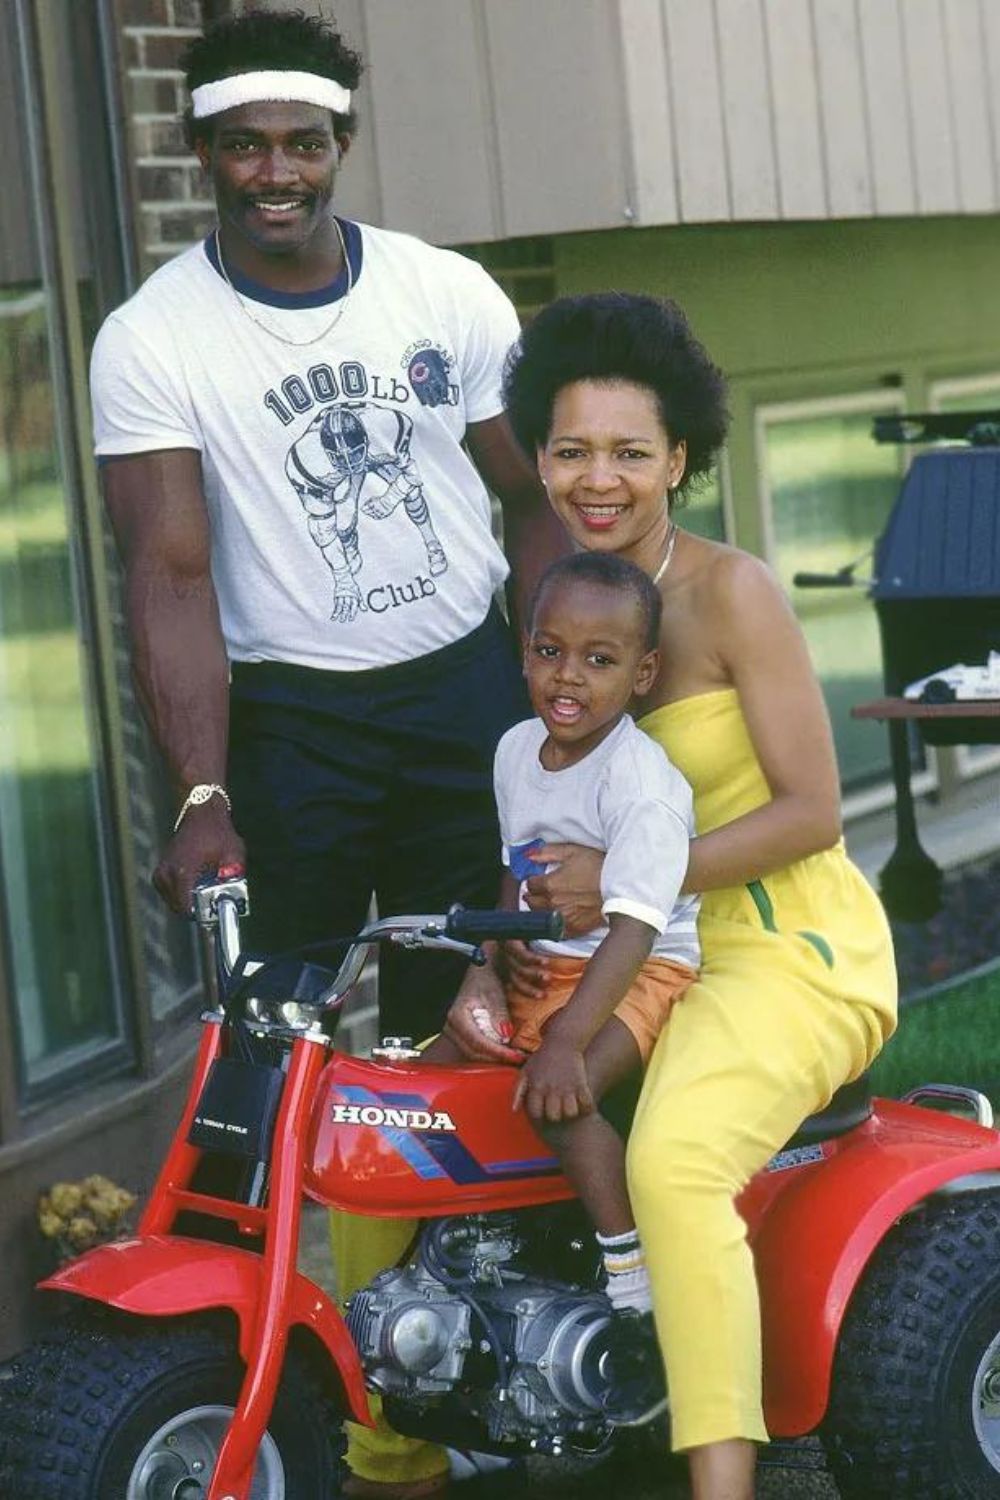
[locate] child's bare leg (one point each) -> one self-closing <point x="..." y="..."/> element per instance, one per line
<point x="593" y="1158"/>
<point x="590" y="1150"/>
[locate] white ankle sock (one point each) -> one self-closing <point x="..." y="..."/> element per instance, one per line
<point x="628" y="1278"/>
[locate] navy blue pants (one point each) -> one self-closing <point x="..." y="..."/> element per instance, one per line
<point x="346" y="784"/>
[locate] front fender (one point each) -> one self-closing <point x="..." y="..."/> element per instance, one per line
<point x="818" y="1234"/>
<point x="163" y="1275"/>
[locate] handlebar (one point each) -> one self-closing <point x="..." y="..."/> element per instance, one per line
<point x="843" y="579"/>
<point x="219" y="904"/>
<point x="481" y="926"/>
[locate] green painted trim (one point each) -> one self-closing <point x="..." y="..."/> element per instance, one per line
<point x="762" y="901"/>
<point x="820" y="944"/>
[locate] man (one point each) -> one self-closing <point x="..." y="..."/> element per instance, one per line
<point x="280" y="415"/>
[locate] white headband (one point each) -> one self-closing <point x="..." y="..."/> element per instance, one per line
<point x="269" y="84"/>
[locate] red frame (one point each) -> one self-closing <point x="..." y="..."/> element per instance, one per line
<point x="438" y="1141"/>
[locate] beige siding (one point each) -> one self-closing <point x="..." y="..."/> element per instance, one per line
<point x="490" y="119"/>
<point x="745" y="106"/>
<point x="843" y="125"/>
<point x="887" y="107"/>
<point x="969" y="85"/>
<point x="931" y="117"/>
<point x="695" y="92"/>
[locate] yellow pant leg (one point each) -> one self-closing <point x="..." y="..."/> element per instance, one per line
<point x="361" y="1248"/>
<point x="755" y="1046"/>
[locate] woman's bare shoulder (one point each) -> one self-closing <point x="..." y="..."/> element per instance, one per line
<point x="729" y="574"/>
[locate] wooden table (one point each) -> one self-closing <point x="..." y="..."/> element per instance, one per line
<point x="906" y="708"/>
<point x="910" y="883"/>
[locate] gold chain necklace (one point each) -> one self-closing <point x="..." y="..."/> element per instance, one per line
<point x="267" y="327"/>
<point x="668" y="553"/>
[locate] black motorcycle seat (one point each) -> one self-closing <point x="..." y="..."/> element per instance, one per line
<point x="851" y="1105"/>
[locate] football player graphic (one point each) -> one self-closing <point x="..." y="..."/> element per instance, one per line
<point x="328" y="467"/>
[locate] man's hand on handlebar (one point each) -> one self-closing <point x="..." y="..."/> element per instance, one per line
<point x="206" y="842"/>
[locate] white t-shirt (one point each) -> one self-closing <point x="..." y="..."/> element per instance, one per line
<point x="624" y="798"/>
<point x="349" y="527"/>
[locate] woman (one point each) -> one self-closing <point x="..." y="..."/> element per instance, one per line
<point x="624" y="409"/>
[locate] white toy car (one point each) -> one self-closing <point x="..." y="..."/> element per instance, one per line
<point x="958" y="684"/>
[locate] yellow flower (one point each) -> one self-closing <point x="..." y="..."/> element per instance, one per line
<point x="50" y="1224"/>
<point x="81" y="1232"/>
<point x="65" y="1198"/>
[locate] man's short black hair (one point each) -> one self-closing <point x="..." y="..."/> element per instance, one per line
<point x="285" y="41"/>
<point x="611" y="336"/>
<point x="608" y="571"/>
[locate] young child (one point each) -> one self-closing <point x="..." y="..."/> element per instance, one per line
<point x="582" y="773"/>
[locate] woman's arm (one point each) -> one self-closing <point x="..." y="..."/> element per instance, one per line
<point x="764" y="655"/>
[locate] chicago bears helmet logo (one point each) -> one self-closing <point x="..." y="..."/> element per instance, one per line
<point x="428" y="370"/>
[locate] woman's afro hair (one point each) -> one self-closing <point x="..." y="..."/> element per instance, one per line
<point x="618" y="336"/>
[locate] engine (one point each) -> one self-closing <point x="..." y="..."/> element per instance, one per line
<point x="474" y="1334"/>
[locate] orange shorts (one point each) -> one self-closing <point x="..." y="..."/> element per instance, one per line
<point x="644" y="1010"/>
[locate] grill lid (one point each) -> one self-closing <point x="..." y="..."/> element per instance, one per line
<point x="942" y="539"/>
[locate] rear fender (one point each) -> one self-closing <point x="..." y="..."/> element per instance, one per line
<point x="163" y="1276"/>
<point x="819" y="1233"/>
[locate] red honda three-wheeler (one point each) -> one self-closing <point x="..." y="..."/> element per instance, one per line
<point x="196" y="1360"/>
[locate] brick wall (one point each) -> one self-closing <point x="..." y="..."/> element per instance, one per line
<point x="173" y="205"/>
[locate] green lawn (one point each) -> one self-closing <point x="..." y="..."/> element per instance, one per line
<point x="951" y="1037"/>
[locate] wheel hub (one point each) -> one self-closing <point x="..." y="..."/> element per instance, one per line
<point x="986" y="1404"/>
<point x="178" y="1461"/>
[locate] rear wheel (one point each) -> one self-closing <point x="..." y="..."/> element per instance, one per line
<point x="137" y="1411"/>
<point x="915" y="1407"/>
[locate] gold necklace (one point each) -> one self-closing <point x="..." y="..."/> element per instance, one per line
<point x="667" y="554"/>
<point x="267" y="327"/>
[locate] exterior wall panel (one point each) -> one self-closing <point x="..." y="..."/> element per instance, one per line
<point x="845" y="125"/>
<point x="795" y="100"/>
<point x="747" y="115"/>
<point x="486" y="120"/>
<point x="968" y="84"/>
<point x="650" y="120"/>
<point x="930" y="107"/>
<point x="561" y="126"/>
<point x="431" y="119"/>
<point x="697" y="104"/>
<point x="887" y="107"/>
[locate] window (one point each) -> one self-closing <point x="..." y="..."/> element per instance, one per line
<point x="704" y="510"/>
<point x="827" y="489"/>
<point x="62" y="963"/>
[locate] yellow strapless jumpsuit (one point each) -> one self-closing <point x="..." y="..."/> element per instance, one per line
<point x="796" y="994"/>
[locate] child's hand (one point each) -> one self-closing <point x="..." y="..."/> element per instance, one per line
<point x="553" y="1084"/>
<point x="478" y="1022"/>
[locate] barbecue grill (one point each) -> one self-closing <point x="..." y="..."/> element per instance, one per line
<point x="936" y="592"/>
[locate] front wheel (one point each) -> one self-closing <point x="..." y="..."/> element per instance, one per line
<point x="137" y="1411"/>
<point x="915" y="1407"/>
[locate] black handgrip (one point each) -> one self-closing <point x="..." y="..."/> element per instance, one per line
<point x="469" y="926"/>
<point x="841" y="580"/>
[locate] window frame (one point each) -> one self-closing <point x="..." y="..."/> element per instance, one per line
<point x="865" y="400"/>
